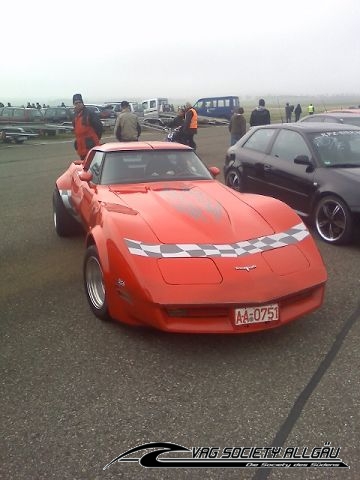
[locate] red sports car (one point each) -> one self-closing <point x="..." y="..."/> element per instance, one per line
<point x="168" y="246"/>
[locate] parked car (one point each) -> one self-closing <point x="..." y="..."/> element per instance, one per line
<point x="116" y="107"/>
<point x="58" y="115"/>
<point x="334" y="117"/>
<point x="20" y="115"/>
<point x="15" y="134"/>
<point x="313" y="167"/>
<point x="168" y="246"/>
<point x="107" y="117"/>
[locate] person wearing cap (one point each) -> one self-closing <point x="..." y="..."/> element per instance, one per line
<point x="127" y="126"/>
<point x="260" y="116"/>
<point x="87" y="127"/>
<point x="190" y="125"/>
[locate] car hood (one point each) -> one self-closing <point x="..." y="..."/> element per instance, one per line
<point x="200" y="212"/>
<point x="348" y="173"/>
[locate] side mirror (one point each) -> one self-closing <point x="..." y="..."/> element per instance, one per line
<point x="302" y="160"/>
<point x="86" y="176"/>
<point x="215" y="171"/>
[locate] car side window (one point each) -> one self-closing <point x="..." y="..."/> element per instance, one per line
<point x="18" y="113"/>
<point x="95" y="166"/>
<point x="260" y="140"/>
<point x="332" y="120"/>
<point x="289" y="145"/>
<point x="312" y="119"/>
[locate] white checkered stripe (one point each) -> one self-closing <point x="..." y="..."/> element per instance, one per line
<point x="240" y="249"/>
<point x="66" y="198"/>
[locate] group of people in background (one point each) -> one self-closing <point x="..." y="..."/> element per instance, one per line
<point x="261" y="116"/>
<point x="29" y="105"/>
<point x="88" y="128"/>
<point x="290" y="109"/>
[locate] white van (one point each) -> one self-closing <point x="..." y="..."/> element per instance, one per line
<point x="154" y="106"/>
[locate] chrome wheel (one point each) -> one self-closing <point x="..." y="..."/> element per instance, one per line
<point x="333" y="220"/>
<point x="233" y="180"/>
<point x="94" y="283"/>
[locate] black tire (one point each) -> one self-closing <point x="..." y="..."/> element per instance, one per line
<point x="333" y="220"/>
<point x="233" y="180"/>
<point x="65" y="224"/>
<point x="19" y="141"/>
<point x="94" y="284"/>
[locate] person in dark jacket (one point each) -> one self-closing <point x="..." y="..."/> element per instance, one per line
<point x="261" y="115"/>
<point x="177" y="124"/>
<point x="288" y="111"/>
<point x="88" y="128"/>
<point x="237" y="125"/>
<point x="298" y="112"/>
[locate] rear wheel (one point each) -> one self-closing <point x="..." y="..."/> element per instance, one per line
<point x="333" y="220"/>
<point x="94" y="284"/>
<point x="233" y="180"/>
<point x="65" y="224"/>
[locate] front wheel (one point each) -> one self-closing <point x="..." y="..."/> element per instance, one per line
<point x="233" y="180"/>
<point x="333" y="220"/>
<point x="65" y="224"/>
<point x="94" y="284"/>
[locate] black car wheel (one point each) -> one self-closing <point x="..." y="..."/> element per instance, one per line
<point x="65" y="224"/>
<point x="233" y="179"/>
<point x="333" y="220"/>
<point x="94" y="284"/>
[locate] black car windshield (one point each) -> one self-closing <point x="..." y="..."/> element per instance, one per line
<point x="152" y="166"/>
<point x="340" y="148"/>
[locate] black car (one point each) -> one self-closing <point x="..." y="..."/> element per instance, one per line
<point x="333" y="117"/>
<point x="313" y="167"/>
<point x="58" y="115"/>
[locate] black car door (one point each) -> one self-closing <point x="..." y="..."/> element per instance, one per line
<point x="290" y="182"/>
<point x="251" y="157"/>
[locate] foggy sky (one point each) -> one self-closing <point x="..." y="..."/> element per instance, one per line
<point x="188" y="49"/>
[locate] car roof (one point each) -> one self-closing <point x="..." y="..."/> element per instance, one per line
<point x="339" y="114"/>
<point x="309" y="126"/>
<point x="135" y="146"/>
<point x="346" y="110"/>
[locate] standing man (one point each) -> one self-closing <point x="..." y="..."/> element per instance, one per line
<point x="127" y="126"/>
<point x="288" y="112"/>
<point x="237" y="125"/>
<point x="311" y="109"/>
<point x="190" y="125"/>
<point x="87" y="127"/>
<point x="260" y="116"/>
<point x="298" y="112"/>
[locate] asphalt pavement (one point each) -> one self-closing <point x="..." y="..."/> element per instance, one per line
<point x="77" y="393"/>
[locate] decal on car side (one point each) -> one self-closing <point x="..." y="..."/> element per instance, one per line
<point x="66" y="199"/>
<point x="239" y="249"/>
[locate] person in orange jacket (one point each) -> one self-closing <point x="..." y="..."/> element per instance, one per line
<point x="87" y="127"/>
<point x="190" y="125"/>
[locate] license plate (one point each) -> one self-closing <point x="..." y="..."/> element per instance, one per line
<point x="260" y="314"/>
